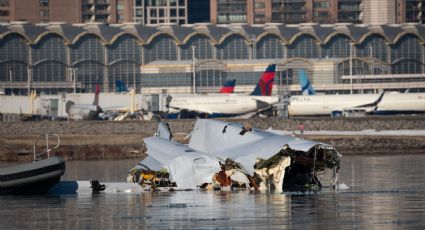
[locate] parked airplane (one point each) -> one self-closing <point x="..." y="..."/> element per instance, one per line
<point x="333" y="105"/>
<point x="227" y="105"/>
<point x="401" y="103"/>
<point x="84" y="111"/>
<point x="354" y="104"/>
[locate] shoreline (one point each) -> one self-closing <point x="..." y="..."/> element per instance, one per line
<point x="83" y="140"/>
<point x="132" y="146"/>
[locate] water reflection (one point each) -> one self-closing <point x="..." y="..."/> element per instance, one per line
<point x="386" y="192"/>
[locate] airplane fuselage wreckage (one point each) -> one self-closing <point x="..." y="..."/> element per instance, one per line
<point x="222" y="155"/>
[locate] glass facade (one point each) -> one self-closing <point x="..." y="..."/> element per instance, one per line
<point x="162" y="48"/>
<point x="305" y="46"/>
<point x="50" y="61"/>
<point x="269" y="47"/>
<point x="203" y="48"/>
<point x="234" y="47"/>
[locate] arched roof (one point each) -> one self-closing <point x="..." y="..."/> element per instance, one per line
<point x="3" y="29"/>
<point x="80" y="35"/>
<point x="320" y="32"/>
<point x="179" y="32"/>
<point x="267" y="33"/>
<point x="404" y="33"/>
<point x="370" y="33"/>
<point x="287" y="32"/>
<point x="336" y="34"/>
<point x="223" y="38"/>
<point x="158" y="33"/>
<point x="194" y="34"/>
<point x="49" y="33"/>
<point x="124" y="33"/>
<point x="29" y="31"/>
<point x="217" y="33"/>
<point x="356" y="32"/>
<point x="104" y="31"/>
<point x="67" y="31"/>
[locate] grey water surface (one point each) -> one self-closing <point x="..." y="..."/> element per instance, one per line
<point x="386" y="192"/>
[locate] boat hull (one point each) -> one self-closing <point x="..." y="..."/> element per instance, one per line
<point x="32" y="178"/>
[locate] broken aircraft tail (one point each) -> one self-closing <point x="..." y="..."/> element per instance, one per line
<point x="253" y="159"/>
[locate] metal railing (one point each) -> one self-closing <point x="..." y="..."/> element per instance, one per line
<point x="48" y="150"/>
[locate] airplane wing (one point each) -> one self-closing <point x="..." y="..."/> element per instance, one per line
<point x="198" y="109"/>
<point x="373" y="104"/>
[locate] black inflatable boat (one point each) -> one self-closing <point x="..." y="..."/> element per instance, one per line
<point x="32" y="178"/>
<point x="36" y="177"/>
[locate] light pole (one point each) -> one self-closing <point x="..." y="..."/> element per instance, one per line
<point x="10" y="74"/>
<point x="351" y="68"/>
<point x="74" y="76"/>
<point x="193" y="70"/>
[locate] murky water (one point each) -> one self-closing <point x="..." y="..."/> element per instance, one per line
<point x="386" y="192"/>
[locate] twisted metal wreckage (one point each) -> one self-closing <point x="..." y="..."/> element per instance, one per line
<point x="222" y="155"/>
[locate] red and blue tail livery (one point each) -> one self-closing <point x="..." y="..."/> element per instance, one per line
<point x="265" y="84"/>
<point x="228" y="87"/>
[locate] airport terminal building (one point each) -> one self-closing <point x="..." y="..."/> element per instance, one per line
<point x="60" y="58"/>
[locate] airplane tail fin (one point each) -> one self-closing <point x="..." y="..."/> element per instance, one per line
<point x="68" y="105"/>
<point x="96" y="95"/>
<point x="120" y="87"/>
<point x="306" y="87"/>
<point x="265" y="84"/>
<point x="163" y="130"/>
<point x="228" y="87"/>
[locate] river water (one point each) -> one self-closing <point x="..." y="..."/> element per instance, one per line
<point x="386" y="192"/>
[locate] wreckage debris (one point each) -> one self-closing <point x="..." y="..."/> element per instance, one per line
<point x="222" y="156"/>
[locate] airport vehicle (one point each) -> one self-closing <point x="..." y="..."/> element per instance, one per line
<point x="227" y="105"/>
<point x="252" y="158"/>
<point x="36" y="177"/>
<point x="84" y="111"/>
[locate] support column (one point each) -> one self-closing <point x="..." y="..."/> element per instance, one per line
<point x="69" y="76"/>
<point x="179" y="52"/>
<point x="29" y="69"/>
<point x="142" y="52"/>
<point x="319" y="50"/>
<point x="389" y="58"/>
<point x="423" y="58"/>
